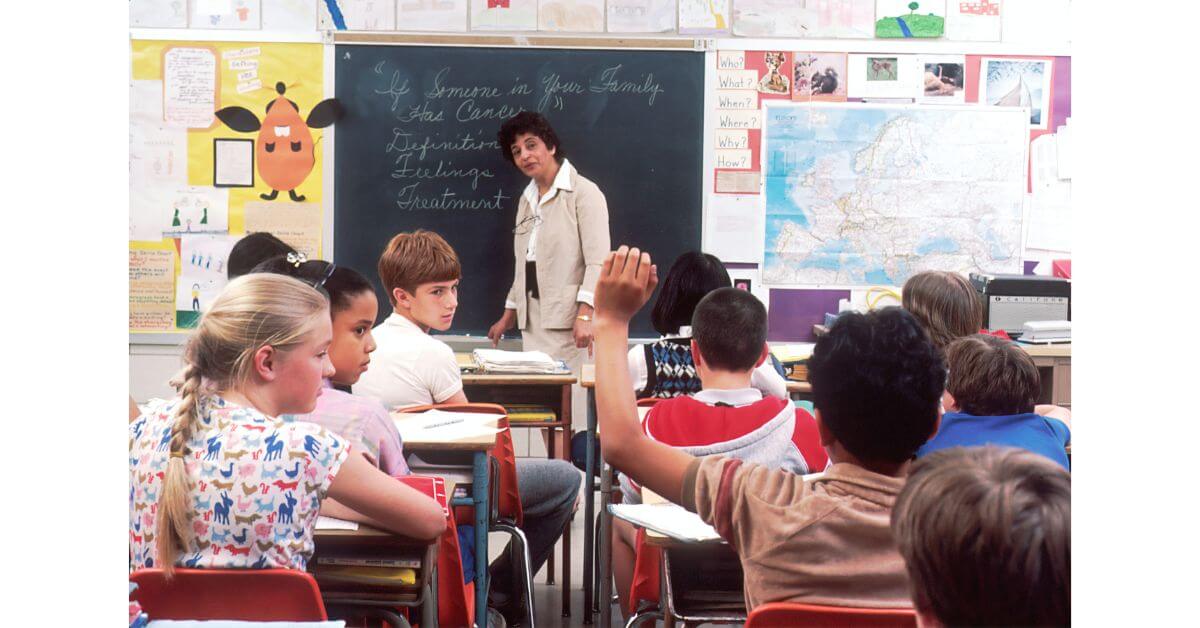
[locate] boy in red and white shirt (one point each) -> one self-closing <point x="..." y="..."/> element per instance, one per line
<point x="728" y="417"/>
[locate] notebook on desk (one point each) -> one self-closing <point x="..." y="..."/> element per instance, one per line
<point x="667" y="519"/>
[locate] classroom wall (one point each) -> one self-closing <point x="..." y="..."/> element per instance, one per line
<point x="1030" y="27"/>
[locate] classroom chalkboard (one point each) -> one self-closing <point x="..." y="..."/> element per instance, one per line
<point x="417" y="149"/>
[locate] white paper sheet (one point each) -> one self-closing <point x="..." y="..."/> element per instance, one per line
<point x="734" y="228"/>
<point x="439" y="426"/>
<point x="290" y="16"/>
<point x="771" y="18"/>
<point x="519" y="15"/>
<point x="157" y="159"/>
<point x="704" y="17"/>
<point x="189" y="87"/>
<point x="669" y="519"/>
<point x="360" y="15"/>
<point x="226" y="14"/>
<point x="233" y="162"/>
<point x="641" y="16"/>
<point x="576" y="16"/>
<point x="332" y="523"/>
<point x="432" y="15"/>
<point x="202" y="270"/>
<point x="841" y="19"/>
<point x="195" y="209"/>
<point x="974" y="20"/>
<point x="158" y="13"/>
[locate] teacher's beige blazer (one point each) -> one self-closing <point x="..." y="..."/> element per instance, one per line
<point x="572" y="242"/>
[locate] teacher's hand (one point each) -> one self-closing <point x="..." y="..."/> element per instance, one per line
<point x="507" y="321"/>
<point x="583" y="335"/>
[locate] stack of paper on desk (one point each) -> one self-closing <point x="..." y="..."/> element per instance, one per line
<point x="496" y="361"/>
<point x="668" y="519"/>
<point x="441" y="425"/>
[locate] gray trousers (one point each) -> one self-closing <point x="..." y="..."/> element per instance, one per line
<point x="548" y="491"/>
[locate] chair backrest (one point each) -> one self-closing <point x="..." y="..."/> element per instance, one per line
<point x="509" y="500"/>
<point x="238" y="594"/>
<point x="795" y="615"/>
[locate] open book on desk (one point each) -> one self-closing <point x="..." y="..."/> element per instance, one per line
<point x="668" y="519"/>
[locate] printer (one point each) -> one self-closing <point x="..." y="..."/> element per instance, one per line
<point x="1010" y="301"/>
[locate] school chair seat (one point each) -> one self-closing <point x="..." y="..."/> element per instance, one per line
<point x="237" y="594"/>
<point x="796" y="615"/>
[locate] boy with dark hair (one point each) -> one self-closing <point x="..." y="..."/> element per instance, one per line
<point x="989" y="400"/>
<point x="985" y="533"/>
<point x="728" y="416"/>
<point x="823" y="540"/>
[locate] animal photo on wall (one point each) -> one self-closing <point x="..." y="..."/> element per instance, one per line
<point x="820" y="76"/>
<point x="285" y="152"/>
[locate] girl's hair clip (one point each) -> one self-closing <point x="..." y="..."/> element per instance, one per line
<point x="296" y="259"/>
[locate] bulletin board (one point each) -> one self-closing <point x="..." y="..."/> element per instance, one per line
<point x="196" y="184"/>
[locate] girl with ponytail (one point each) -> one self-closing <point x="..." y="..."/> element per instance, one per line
<point x="217" y="479"/>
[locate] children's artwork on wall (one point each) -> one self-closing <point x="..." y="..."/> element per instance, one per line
<point x="226" y="14"/>
<point x="432" y="15"/>
<point x="158" y="13"/>
<point x="776" y="79"/>
<point x="704" y="17"/>
<point x="973" y="20"/>
<point x="359" y="15"/>
<point x="641" y="16"/>
<point x="286" y="152"/>
<point x="840" y="19"/>
<point x="884" y="76"/>
<point x="819" y="76"/>
<point x="233" y="163"/>
<point x="504" y="15"/>
<point x="290" y="16"/>
<point x="202" y="275"/>
<point x="1017" y="83"/>
<point x="771" y="18"/>
<point x="152" y="286"/>
<point x="577" y="16"/>
<point x="157" y="158"/>
<point x="910" y="18"/>
<point x="195" y="209"/>
<point x="945" y="78"/>
<point x="191" y="86"/>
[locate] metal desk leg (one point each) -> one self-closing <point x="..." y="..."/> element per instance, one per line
<point x="479" y="499"/>
<point x="589" y="506"/>
<point x="605" y="546"/>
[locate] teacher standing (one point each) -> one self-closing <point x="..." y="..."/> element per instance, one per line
<point x="559" y="242"/>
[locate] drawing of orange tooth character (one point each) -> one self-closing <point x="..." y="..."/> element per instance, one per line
<point x="285" y="150"/>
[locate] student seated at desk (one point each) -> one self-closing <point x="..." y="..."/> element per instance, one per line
<point x="420" y="272"/>
<point x="665" y="368"/>
<point x="989" y="400"/>
<point x="985" y="533"/>
<point x="727" y="417"/>
<point x="217" y="479"/>
<point x="877" y="382"/>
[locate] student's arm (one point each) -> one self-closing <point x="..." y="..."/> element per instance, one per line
<point x="438" y="370"/>
<point x="458" y="397"/>
<point x="626" y="282"/>
<point x="769" y="381"/>
<point x="134" y="410"/>
<point x="368" y="494"/>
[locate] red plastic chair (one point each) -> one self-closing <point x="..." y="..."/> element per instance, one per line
<point x="238" y="594"/>
<point x="795" y="615"/>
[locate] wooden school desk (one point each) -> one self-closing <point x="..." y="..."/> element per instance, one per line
<point x="385" y="545"/>
<point x="478" y="447"/>
<point x="553" y="391"/>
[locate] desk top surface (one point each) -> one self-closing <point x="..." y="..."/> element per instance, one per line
<point x="476" y="442"/>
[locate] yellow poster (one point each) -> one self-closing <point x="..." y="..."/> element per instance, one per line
<point x="152" y="286"/>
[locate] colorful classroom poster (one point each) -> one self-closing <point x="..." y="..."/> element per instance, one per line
<point x="152" y="286"/>
<point x="641" y="16"/>
<point x="298" y="224"/>
<point x="945" y="79"/>
<point x="1017" y="83"/>
<point x="704" y="17"/>
<point x="195" y="209"/>
<point x="226" y="14"/>
<point x="576" y="16"/>
<point x="973" y="20"/>
<point x="770" y="18"/>
<point x="840" y="19"/>
<point x="905" y="18"/>
<point x="360" y="15"/>
<point x="158" y="13"/>
<point x="884" y="75"/>
<point x="819" y="76"/>
<point x="202" y="275"/>
<point x="432" y="15"/>
<point x="504" y="15"/>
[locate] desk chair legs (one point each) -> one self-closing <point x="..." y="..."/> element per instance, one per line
<point x="391" y="617"/>
<point x="518" y="543"/>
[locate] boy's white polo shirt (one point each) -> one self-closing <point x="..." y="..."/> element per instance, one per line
<point x="408" y="367"/>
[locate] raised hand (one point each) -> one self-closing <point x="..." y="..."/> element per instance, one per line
<point x="627" y="279"/>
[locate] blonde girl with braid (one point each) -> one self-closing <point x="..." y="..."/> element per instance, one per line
<point x="217" y="480"/>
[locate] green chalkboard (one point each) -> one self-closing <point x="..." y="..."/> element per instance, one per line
<point x="417" y="149"/>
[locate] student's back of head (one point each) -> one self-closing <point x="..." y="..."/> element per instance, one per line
<point x="729" y="328"/>
<point x="990" y="376"/>
<point x="985" y="533"/>
<point x="254" y="249"/>
<point x="692" y="276"/>
<point x="340" y="283"/>
<point x="877" y="383"/>
<point x="945" y="303"/>
<point x="416" y="258"/>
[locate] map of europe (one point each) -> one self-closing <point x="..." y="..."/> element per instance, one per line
<point x="866" y="194"/>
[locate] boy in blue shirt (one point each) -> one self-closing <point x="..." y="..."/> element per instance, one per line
<point x="990" y="400"/>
